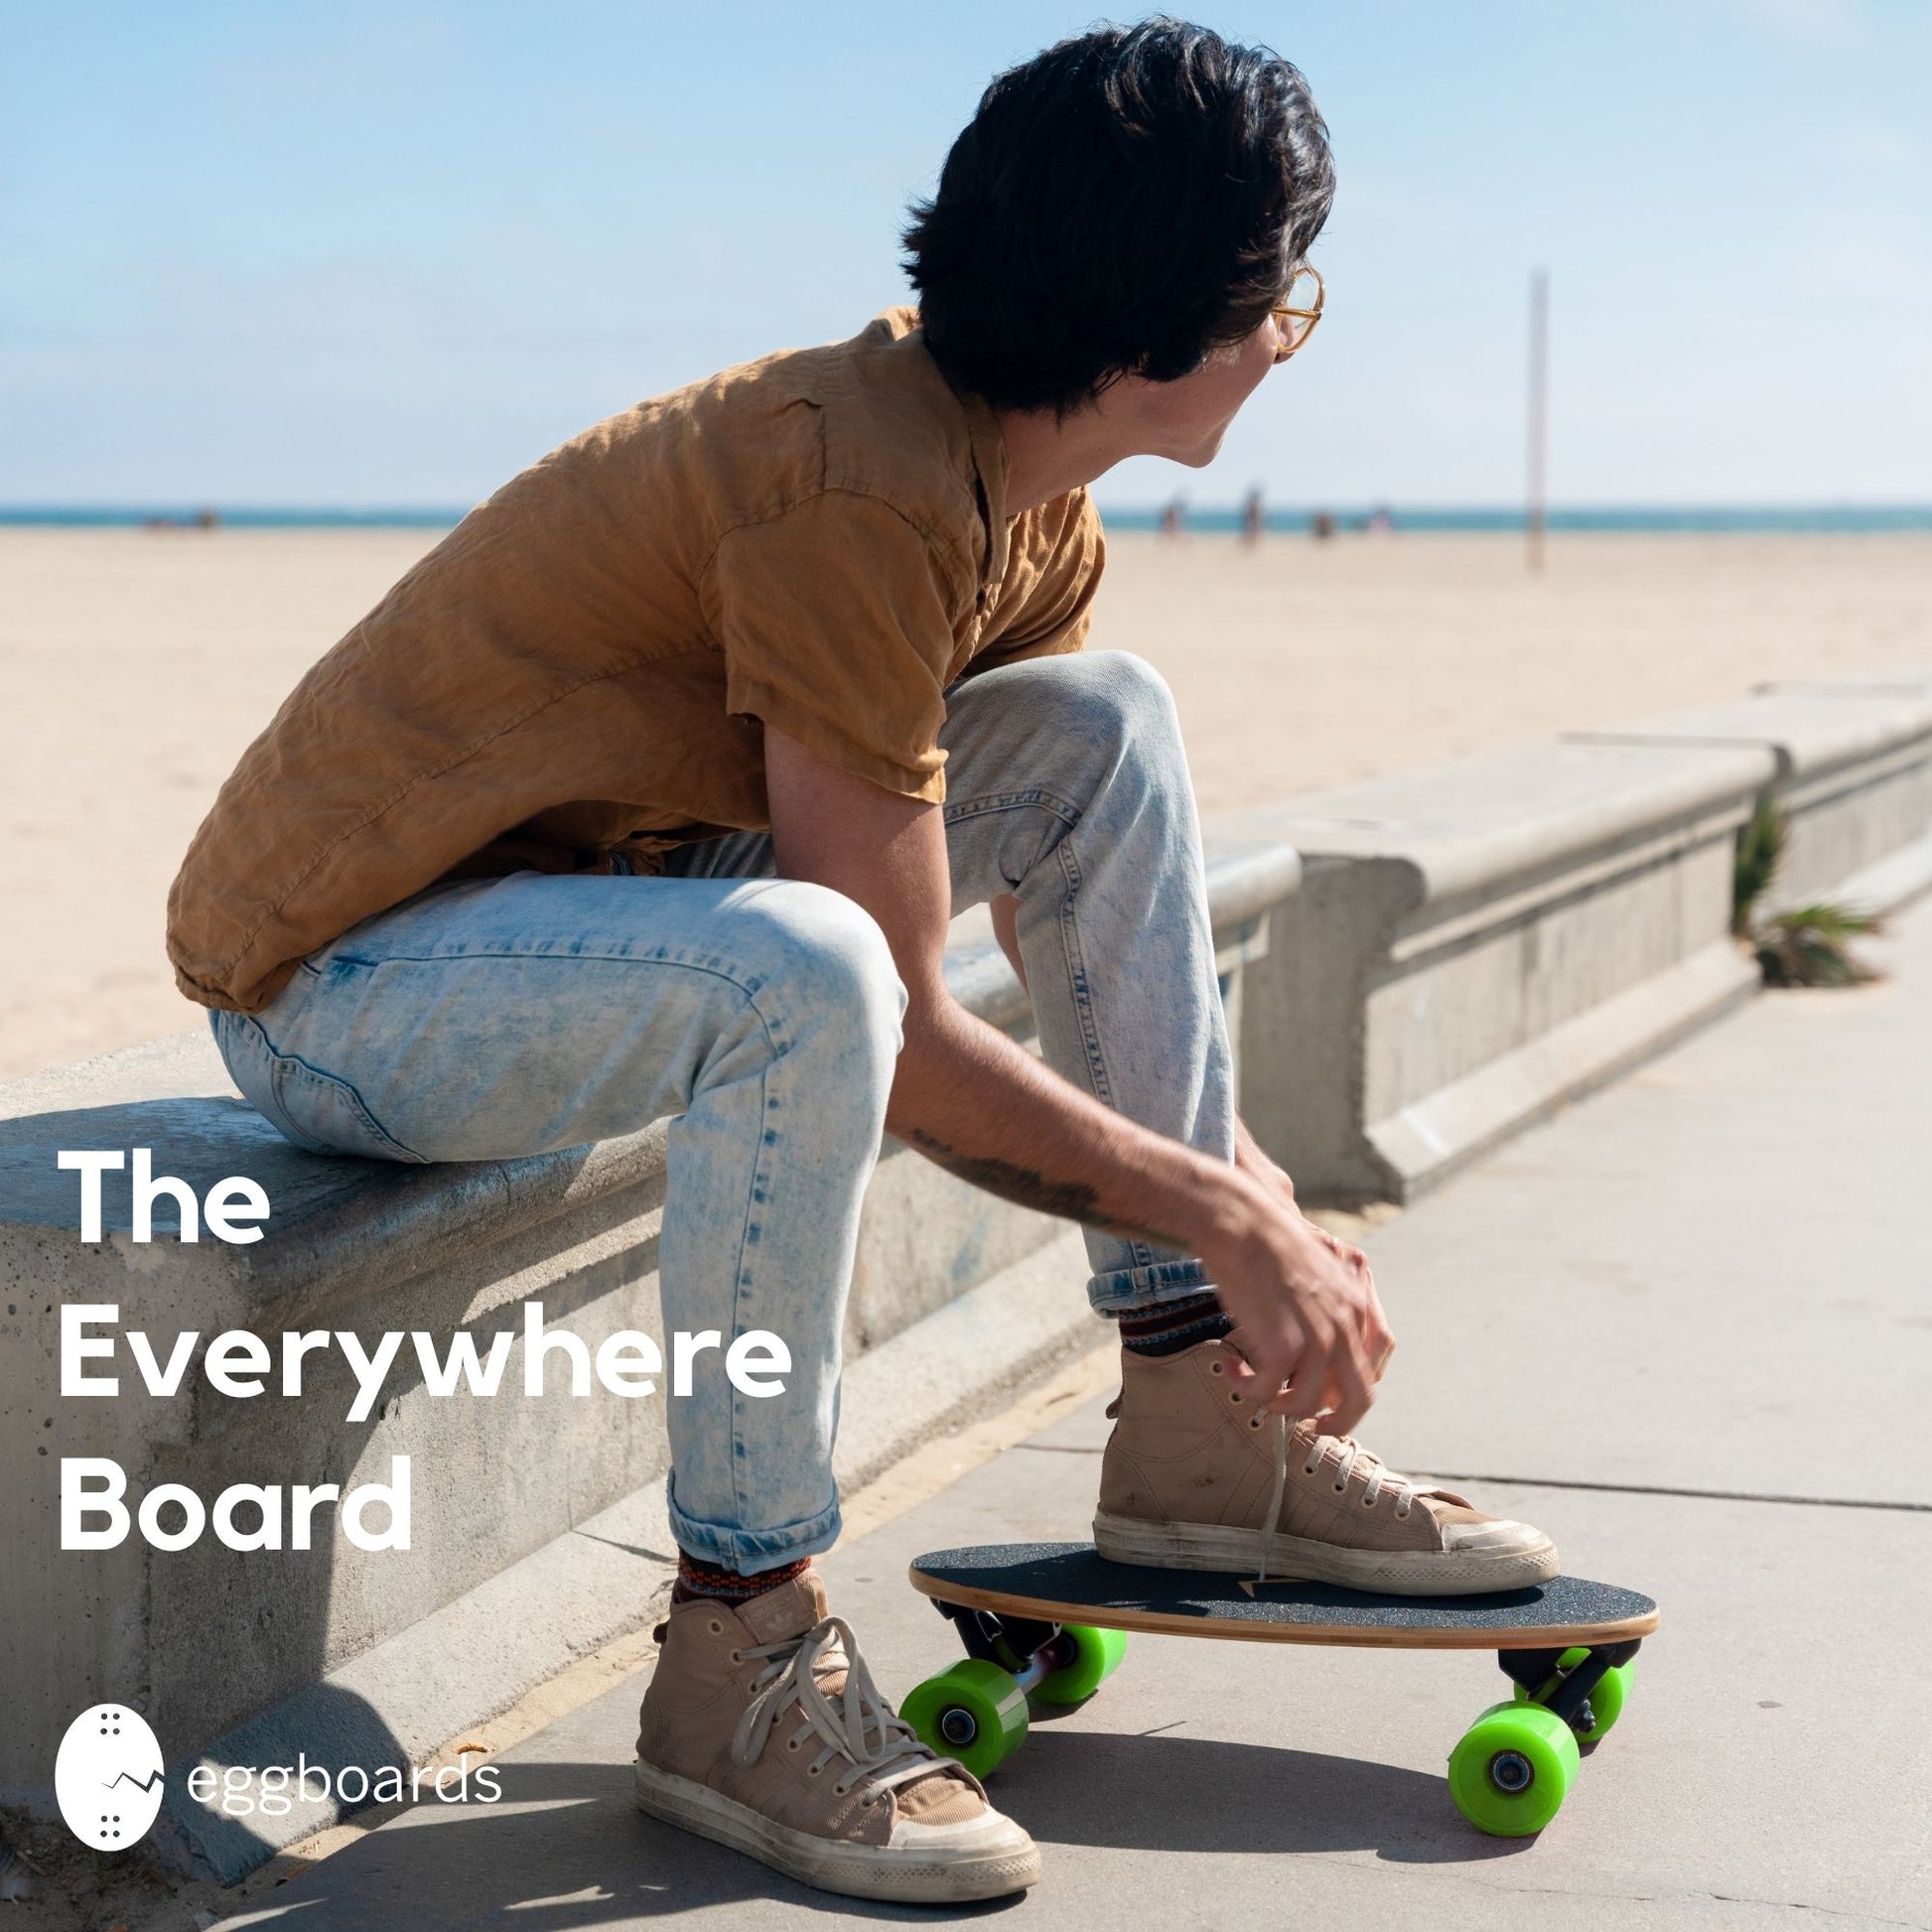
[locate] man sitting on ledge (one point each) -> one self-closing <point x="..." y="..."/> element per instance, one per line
<point x="649" y="792"/>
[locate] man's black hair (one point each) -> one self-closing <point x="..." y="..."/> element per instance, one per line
<point x="1123" y="203"/>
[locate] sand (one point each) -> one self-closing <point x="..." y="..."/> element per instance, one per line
<point x="139" y="664"/>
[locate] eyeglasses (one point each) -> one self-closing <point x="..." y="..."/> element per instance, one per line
<point x="1295" y="317"/>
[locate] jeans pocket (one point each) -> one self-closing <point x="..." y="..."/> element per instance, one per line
<point x="316" y="1111"/>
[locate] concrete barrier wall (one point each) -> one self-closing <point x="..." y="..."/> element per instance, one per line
<point x="1477" y="940"/>
<point x="1480" y="941"/>
<point x="1854" y="777"/>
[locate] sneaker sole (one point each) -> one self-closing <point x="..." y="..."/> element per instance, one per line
<point x="856" y="1871"/>
<point x="1301" y="1559"/>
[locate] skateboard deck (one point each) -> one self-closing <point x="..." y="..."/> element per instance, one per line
<point x="1046" y="1621"/>
<point x="1070" y="1583"/>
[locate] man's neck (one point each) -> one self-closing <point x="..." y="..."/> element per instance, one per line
<point x="1047" y="456"/>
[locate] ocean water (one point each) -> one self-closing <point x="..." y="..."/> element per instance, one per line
<point x="1821" y="518"/>
<point x="122" y="516"/>
<point x="1824" y="518"/>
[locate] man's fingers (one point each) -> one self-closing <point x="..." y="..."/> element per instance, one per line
<point x="1265" y="1364"/>
<point x="1305" y="1392"/>
<point x="1378" y="1337"/>
<point x="1353" y="1389"/>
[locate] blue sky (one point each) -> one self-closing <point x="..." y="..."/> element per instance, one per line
<point x="385" y="254"/>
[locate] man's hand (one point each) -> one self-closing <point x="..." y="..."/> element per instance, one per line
<point x="1379" y="1338"/>
<point x="1305" y="1315"/>
<point x="977" y="1103"/>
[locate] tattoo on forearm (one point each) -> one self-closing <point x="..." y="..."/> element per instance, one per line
<point x="1072" y="1200"/>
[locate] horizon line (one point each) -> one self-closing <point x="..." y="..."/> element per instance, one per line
<point x="112" y="511"/>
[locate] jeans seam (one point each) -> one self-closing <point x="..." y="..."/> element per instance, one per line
<point x="279" y="1060"/>
<point x="730" y="1544"/>
<point x="984" y="804"/>
<point x="750" y="990"/>
<point x="747" y="1241"/>
<point x="1159" y="1281"/>
<point x="661" y="957"/>
<point x="1076" y="975"/>
<point x="749" y="993"/>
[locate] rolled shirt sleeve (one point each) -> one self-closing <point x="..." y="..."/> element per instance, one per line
<point x="837" y="622"/>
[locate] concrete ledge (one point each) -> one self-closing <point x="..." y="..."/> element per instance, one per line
<point x="1471" y="947"/>
<point x="1892" y="883"/>
<point x="1897" y="680"/>
<point x="1445" y="1131"/>
<point x="965" y="1359"/>
<point x="1854" y="769"/>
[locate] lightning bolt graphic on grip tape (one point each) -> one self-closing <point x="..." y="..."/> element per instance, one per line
<point x="147" y="1783"/>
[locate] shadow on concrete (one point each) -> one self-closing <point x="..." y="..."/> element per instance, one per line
<point x="566" y="1848"/>
<point x="322" y="1727"/>
<point x="1164" y="1793"/>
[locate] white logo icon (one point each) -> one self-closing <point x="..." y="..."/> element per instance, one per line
<point x="107" y="1777"/>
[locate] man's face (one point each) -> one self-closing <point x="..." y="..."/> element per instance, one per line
<point x="1185" y="420"/>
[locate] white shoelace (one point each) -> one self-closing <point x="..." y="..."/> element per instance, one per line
<point x="845" y="1729"/>
<point x="1348" y="1454"/>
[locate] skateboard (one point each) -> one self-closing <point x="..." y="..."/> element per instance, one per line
<point x="1050" y="1621"/>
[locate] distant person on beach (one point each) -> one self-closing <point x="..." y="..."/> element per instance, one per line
<point x="649" y="793"/>
<point x="1253" y="521"/>
<point x="1173" y="518"/>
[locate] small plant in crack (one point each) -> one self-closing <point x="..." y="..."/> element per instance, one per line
<point x="1800" y="945"/>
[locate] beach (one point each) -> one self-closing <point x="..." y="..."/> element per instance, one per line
<point x="140" y="663"/>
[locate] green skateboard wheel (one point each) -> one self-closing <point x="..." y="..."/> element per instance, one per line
<point x="1606" y="1700"/>
<point x="1513" y="1768"/>
<point x="974" y="1713"/>
<point x="1099" y="1655"/>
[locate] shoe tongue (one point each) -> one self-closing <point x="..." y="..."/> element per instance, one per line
<point x="789" y="1610"/>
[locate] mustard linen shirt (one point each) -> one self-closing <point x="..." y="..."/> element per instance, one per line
<point x="817" y="541"/>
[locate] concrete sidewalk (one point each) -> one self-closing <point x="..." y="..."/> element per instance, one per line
<point x="1715" y="1278"/>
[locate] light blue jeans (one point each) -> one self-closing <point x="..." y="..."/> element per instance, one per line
<point x="498" y="1018"/>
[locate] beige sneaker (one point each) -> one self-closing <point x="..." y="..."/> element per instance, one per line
<point x="762" y="1729"/>
<point x="1196" y="1477"/>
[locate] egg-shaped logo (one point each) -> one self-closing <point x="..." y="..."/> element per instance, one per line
<point x="107" y="1777"/>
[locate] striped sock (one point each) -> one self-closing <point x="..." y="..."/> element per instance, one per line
<point x="1170" y="1326"/>
<point x="696" y="1577"/>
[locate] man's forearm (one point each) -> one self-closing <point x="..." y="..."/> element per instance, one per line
<point x="970" y="1099"/>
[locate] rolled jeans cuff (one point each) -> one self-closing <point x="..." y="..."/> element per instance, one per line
<point x="1127" y="1290"/>
<point x="749" y="1553"/>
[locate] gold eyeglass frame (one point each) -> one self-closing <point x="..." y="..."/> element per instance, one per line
<point x="1307" y="316"/>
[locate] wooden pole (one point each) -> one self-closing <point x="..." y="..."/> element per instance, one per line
<point x="1539" y="414"/>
